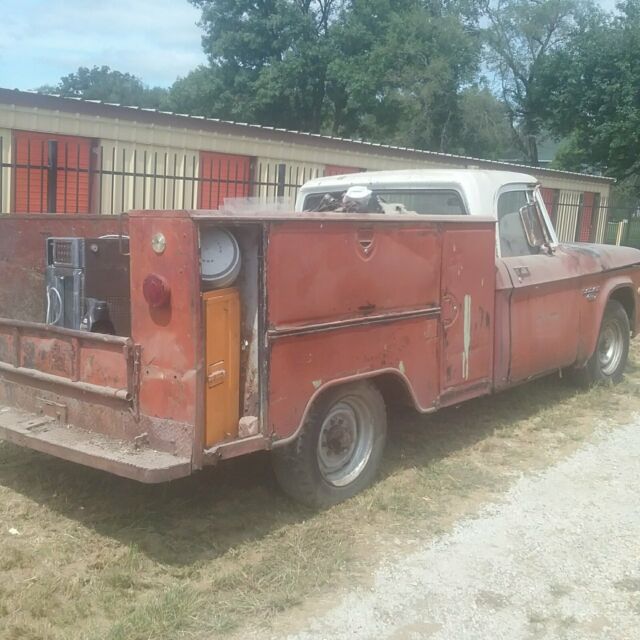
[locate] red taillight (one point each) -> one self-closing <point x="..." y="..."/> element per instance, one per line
<point x="156" y="291"/>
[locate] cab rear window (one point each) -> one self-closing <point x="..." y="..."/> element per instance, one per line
<point x="424" y="201"/>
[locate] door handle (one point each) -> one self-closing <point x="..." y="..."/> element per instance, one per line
<point x="365" y="241"/>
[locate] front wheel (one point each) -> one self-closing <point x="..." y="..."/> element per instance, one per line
<point x="612" y="349"/>
<point x="339" y="449"/>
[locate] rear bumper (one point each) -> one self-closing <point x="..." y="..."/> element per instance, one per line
<point x="48" y="435"/>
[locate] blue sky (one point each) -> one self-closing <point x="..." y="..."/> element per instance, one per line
<point x="42" y="40"/>
<point x="157" y="40"/>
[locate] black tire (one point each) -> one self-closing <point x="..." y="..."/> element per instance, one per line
<point x="608" y="361"/>
<point x="339" y="449"/>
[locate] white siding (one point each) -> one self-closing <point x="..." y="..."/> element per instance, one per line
<point x="154" y="177"/>
<point x="296" y="174"/>
<point x="5" y="173"/>
<point x="600" y="219"/>
<point x="567" y="216"/>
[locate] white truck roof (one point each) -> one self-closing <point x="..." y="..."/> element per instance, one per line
<point x="478" y="187"/>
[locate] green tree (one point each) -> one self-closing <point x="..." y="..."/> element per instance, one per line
<point x="389" y="71"/>
<point x="521" y="35"/>
<point x="108" y="85"/>
<point x="400" y="70"/>
<point x="485" y="126"/>
<point x="593" y="89"/>
<point x="268" y="58"/>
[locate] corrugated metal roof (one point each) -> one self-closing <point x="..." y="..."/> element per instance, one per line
<point x="169" y="118"/>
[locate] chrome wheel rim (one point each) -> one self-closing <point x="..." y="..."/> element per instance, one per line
<point x="610" y="347"/>
<point x="345" y="442"/>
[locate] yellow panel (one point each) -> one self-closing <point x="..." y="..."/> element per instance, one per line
<point x="222" y="394"/>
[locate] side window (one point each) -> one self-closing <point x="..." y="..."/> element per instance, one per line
<point x="513" y="238"/>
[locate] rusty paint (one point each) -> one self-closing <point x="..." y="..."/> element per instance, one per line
<point x="22" y="257"/>
<point x="335" y="282"/>
<point x="297" y="361"/>
<point x="468" y="287"/>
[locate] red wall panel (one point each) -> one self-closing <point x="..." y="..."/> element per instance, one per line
<point x="586" y="217"/>
<point x="72" y="190"/>
<point x="337" y="170"/>
<point x="550" y="198"/>
<point x="222" y="176"/>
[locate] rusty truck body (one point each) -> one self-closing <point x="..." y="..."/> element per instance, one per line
<point x="429" y="289"/>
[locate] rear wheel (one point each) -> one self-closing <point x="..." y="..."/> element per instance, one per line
<point x="339" y="449"/>
<point x="612" y="349"/>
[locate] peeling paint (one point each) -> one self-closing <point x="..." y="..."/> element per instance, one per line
<point x="401" y="367"/>
<point x="316" y="384"/>
<point x="467" y="336"/>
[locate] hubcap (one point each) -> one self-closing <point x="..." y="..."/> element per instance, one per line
<point x="610" y="347"/>
<point x="345" y="442"/>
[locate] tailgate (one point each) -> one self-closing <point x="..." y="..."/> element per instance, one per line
<point x="74" y="394"/>
<point x="92" y="363"/>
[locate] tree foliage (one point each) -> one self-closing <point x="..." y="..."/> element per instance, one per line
<point x="108" y="85"/>
<point x="594" y="97"/>
<point x="520" y="37"/>
<point x="386" y="70"/>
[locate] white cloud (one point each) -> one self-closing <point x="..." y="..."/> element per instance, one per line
<point x="41" y="40"/>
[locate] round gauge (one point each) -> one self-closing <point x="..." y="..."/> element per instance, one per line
<point x="219" y="257"/>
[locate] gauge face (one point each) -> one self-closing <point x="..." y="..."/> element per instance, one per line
<point x="219" y="257"/>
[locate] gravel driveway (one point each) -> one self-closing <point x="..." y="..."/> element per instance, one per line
<point x="559" y="557"/>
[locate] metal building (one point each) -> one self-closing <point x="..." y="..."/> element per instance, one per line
<point x="76" y="156"/>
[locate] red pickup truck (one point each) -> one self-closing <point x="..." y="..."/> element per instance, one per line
<point x="155" y="344"/>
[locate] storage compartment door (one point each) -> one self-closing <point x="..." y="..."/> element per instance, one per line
<point x="468" y="291"/>
<point x="222" y="396"/>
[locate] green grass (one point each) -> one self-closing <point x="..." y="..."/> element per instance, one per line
<point x="99" y="557"/>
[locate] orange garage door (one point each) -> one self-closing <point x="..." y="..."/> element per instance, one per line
<point x="338" y="170"/>
<point x="222" y="176"/>
<point x="31" y="174"/>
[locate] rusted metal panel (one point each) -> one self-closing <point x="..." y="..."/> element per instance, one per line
<point x="339" y="270"/>
<point x="171" y="368"/>
<point x="347" y="299"/>
<point x="468" y="291"/>
<point x="502" y="327"/>
<point x="543" y="313"/>
<point x="23" y="257"/>
<point x="127" y="459"/>
<point x="301" y="366"/>
<point x="553" y="323"/>
<point x="92" y="379"/>
<point x="66" y="357"/>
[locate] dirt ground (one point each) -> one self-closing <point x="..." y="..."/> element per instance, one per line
<point x="87" y="555"/>
<point x="555" y="558"/>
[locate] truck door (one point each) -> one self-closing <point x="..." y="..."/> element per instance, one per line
<point x="543" y="312"/>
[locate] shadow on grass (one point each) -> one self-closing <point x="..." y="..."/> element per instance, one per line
<point x="197" y="519"/>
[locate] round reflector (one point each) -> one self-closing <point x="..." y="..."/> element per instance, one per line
<point x="156" y="291"/>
